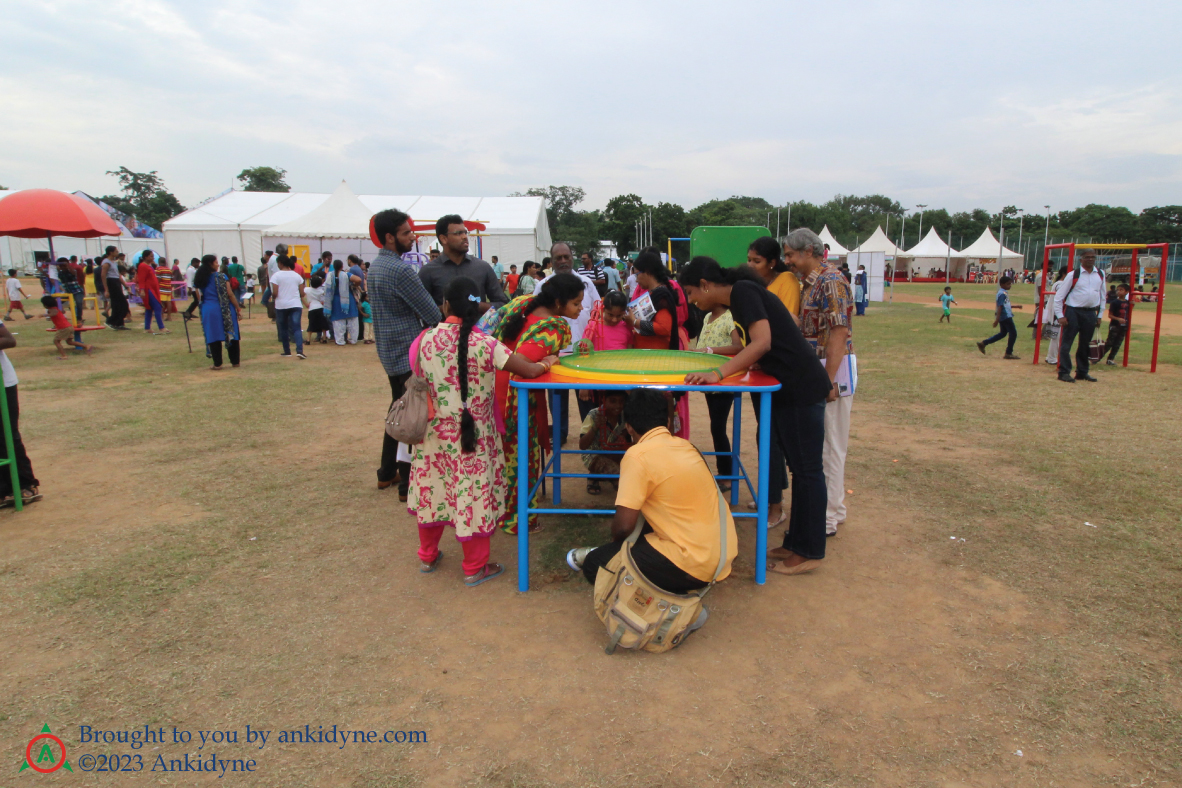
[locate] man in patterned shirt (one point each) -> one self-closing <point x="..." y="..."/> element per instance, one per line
<point x="401" y="307"/>
<point x="826" y="321"/>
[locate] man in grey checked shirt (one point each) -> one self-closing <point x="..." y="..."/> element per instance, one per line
<point x="401" y="308"/>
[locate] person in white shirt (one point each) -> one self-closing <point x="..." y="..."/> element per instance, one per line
<point x="562" y="261"/>
<point x="1077" y="311"/>
<point x="288" y="289"/>
<point x="317" y="322"/>
<point x="15" y="295"/>
<point x="630" y="283"/>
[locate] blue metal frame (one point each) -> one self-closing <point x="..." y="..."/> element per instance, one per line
<point x="739" y="472"/>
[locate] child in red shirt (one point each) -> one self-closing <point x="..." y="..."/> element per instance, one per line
<point x="65" y="329"/>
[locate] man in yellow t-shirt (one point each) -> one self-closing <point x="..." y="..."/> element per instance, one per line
<point x="666" y="479"/>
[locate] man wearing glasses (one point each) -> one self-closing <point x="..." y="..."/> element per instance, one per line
<point x="455" y="261"/>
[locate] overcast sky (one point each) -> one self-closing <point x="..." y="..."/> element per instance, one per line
<point x="1038" y="102"/>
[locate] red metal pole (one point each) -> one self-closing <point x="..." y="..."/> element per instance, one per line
<point x="1042" y="290"/>
<point x="1161" y="297"/>
<point x="1133" y="263"/>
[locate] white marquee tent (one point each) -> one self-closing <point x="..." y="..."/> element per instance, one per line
<point x="835" y="249"/>
<point x="984" y="252"/>
<point x="234" y="223"/>
<point x="878" y="242"/>
<point x="932" y="252"/>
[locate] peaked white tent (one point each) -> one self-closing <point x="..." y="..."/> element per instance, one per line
<point x="835" y="249"/>
<point x="932" y="252"/>
<point x="342" y="215"/>
<point x="878" y="242"/>
<point x="984" y="252"/>
<point x="233" y="224"/>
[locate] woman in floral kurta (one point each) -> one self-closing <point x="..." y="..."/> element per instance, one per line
<point x="542" y="332"/>
<point x="449" y="486"/>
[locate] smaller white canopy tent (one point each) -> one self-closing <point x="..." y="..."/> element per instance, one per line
<point x="835" y="249"/>
<point x="983" y="251"/>
<point x="931" y="253"/>
<point x="878" y="242"/>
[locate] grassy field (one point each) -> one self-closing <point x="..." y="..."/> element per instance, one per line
<point x="212" y="552"/>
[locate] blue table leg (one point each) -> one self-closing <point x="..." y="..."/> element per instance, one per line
<point x="522" y="490"/>
<point x="765" y="444"/>
<point x="556" y="441"/>
<point x="736" y="434"/>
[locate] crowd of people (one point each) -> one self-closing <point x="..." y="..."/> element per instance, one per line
<point x="452" y="323"/>
<point x="465" y="326"/>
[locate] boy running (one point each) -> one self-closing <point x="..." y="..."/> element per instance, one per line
<point x="15" y="295"/>
<point x="1004" y="317"/>
<point x="947" y="300"/>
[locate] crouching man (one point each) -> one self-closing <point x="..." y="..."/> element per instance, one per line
<point x="666" y="479"/>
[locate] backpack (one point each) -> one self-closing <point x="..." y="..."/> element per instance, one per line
<point x="638" y="614"/>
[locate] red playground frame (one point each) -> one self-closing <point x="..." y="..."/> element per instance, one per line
<point x="1160" y="295"/>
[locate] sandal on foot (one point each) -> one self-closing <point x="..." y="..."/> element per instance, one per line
<point x="593" y="487"/>
<point x="30" y="495"/>
<point x="427" y="567"/>
<point x="800" y="569"/>
<point x="489" y="571"/>
<point x="6" y="501"/>
<point x="780" y="552"/>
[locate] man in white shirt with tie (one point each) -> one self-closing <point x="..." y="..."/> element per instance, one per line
<point x="1077" y="310"/>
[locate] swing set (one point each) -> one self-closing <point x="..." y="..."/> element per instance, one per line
<point x="1135" y="267"/>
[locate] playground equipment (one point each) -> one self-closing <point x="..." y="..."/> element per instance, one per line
<point x="630" y="372"/>
<point x="79" y="326"/>
<point x="727" y="245"/>
<point x="1133" y="269"/>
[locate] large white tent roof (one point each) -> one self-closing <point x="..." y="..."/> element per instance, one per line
<point x="933" y="246"/>
<point x="835" y="249"/>
<point x="236" y="210"/>
<point x="878" y="242"/>
<point x="986" y="247"/>
<point x="342" y="215"/>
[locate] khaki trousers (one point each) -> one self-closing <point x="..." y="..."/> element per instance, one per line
<point x="837" y="441"/>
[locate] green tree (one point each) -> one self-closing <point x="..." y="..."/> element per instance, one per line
<point x="1102" y="223"/>
<point x="560" y="204"/>
<point x="619" y="221"/>
<point x="263" y="179"/>
<point x="144" y="197"/>
<point x="1161" y="223"/>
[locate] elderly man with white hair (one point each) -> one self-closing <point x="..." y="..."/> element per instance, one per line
<point x="826" y="320"/>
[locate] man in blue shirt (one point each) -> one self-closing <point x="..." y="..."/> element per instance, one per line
<point x="401" y="308"/>
<point x="1004" y="317"/>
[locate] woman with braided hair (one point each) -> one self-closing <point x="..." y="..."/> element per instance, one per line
<point x="533" y="326"/>
<point x="458" y="475"/>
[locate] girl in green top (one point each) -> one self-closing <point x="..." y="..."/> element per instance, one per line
<point x="720" y="337"/>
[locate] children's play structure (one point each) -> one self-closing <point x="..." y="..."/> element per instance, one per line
<point x="1139" y="265"/>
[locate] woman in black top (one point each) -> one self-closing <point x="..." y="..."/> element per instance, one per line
<point x="798" y="408"/>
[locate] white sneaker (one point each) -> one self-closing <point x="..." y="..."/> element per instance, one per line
<point x="576" y="557"/>
<point x="301" y="355"/>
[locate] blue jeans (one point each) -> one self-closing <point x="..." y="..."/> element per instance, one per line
<point x="288" y="322"/>
<point x="800" y="430"/>
<point x="1005" y="328"/>
<point x="153" y="307"/>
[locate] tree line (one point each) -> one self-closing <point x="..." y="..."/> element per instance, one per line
<point x="850" y="218"/>
<point x="144" y="195"/>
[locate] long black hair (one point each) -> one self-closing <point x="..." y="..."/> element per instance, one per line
<point x="769" y="249"/>
<point x="204" y="271"/>
<point x="558" y="289"/>
<point x="708" y="269"/>
<point x="665" y="296"/>
<point x="463" y="301"/>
